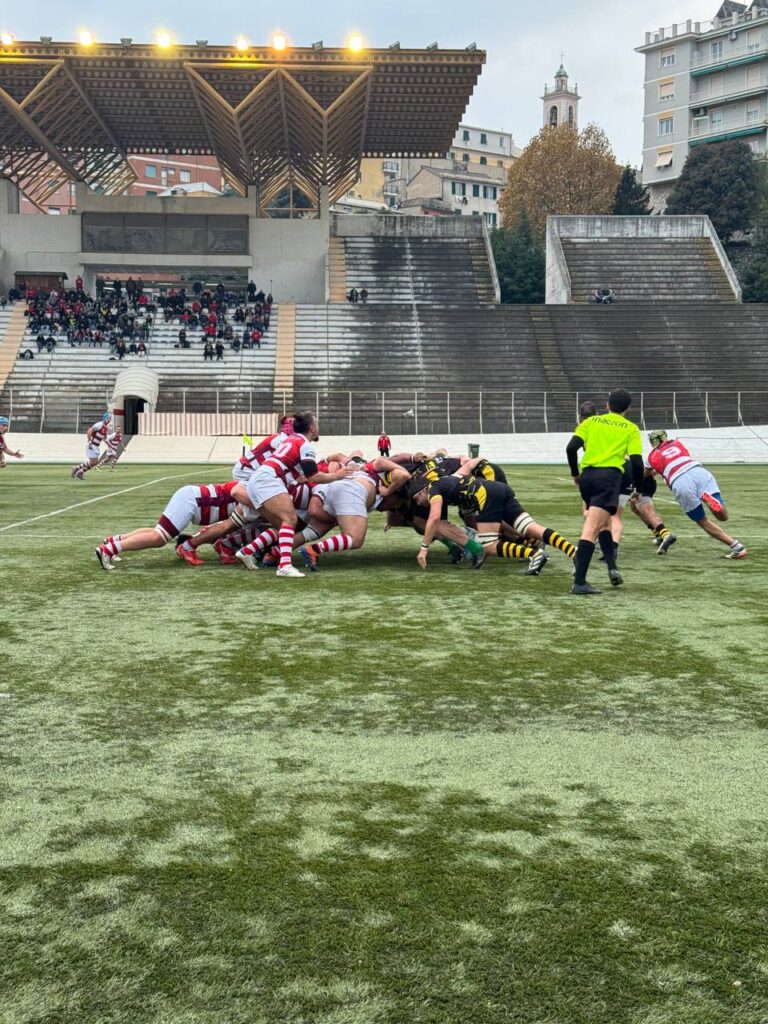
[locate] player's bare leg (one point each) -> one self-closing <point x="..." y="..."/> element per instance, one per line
<point x="646" y="512"/>
<point x="136" y="540"/>
<point x="281" y="515"/>
<point x="353" y="531"/>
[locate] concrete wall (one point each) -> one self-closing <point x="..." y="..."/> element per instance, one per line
<point x="558" y="288"/>
<point x="399" y="226"/>
<point x="287" y="256"/>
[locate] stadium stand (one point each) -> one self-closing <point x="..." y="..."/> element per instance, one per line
<point x="412" y="269"/>
<point x="650" y="269"/>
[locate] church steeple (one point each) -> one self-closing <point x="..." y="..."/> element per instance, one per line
<point x="561" y="103"/>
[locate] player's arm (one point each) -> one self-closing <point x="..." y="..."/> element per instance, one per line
<point x="635" y="453"/>
<point x="435" y="512"/>
<point x="18" y="454"/>
<point x="398" y="475"/>
<point x="90" y="434"/>
<point x="402" y="457"/>
<point x="572" y="454"/>
<point x="311" y="472"/>
<point x="468" y="467"/>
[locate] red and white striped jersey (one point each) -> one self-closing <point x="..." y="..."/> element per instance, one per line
<point x="261" y="452"/>
<point x="215" y="502"/>
<point x="671" y="459"/>
<point x="99" y="429"/>
<point x="294" y="450"/>
<point x="114" y="440"/>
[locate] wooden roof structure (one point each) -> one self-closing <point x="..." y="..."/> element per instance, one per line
<point x="301" y="116"/>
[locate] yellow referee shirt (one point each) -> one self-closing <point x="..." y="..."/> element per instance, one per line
<point x="608" y="439"/>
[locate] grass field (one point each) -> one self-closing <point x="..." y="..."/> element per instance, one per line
<point x="376" y="796"/>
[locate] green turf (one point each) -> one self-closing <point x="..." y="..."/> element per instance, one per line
<point x="376" y="796"/>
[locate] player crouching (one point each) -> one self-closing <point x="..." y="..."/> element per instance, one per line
<point x="201" y="504"/>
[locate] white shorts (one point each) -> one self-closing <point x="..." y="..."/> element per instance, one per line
<point x="689" y="487"/>
<point x="623" y="500"/>
<point x="264" y="484"/>
<point x="346" y="498"/>
<point x="241" y="472"/>
<point x="92" y="451"/>
<point x="180" y="511"/>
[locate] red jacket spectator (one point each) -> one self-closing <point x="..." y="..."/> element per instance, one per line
<point x="384" y="444"/>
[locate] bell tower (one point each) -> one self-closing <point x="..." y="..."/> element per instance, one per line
<point x="561" y="102"/>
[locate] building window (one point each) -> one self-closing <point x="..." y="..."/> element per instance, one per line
<point x="502" y="143"/>
<point x="150" y="171"/>
<point x="494" y="192"/>
<point x="666" y="90"/>
<point x="185" y="176"/>
<point x="465" y="158"/>
<point x="716" y="50"/>
<point x="553" y="117"/>
<point x="54" y="210"/>
<point x="458" y="188"/>
<point x="453" y="155"/>
<point x="664" y="158"/>
<point x="753" y="113"/>
<point x="149" y="192"/>
<point x="476" y="191"/>
<point x="491" y="219"/>
<point x="500" y="163"/>
<point x="666" y="125"/>
<point x="570" y="115"/>
<point x="483" y="160"/>
<point x="753" y="40"/>
<point x="391" y="165"/>
<point x="483" y="139"/>
<point x="716" y="119"/>
<point x="667" y="58"/>
<point x="465" y="135"/>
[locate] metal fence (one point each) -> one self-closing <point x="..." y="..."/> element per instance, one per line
<point x="402" y="412"/>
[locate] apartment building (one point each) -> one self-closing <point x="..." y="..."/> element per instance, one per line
<point x="704" y="82"/>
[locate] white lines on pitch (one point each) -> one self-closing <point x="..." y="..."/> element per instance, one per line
<point x="91" y="501"/>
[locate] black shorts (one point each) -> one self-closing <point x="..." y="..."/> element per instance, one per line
<point x="600" y="488"/>
<point x="499" y="503"/>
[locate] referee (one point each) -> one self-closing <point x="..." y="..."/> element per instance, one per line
<point x="607" y="440"/>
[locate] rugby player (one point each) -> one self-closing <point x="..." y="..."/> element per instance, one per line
<point x="643" y="507"/>
<point x="267" y="489"/>
<point x="693" y="487"/>
<point x="201" y="504"/>
<point x="495" y="507"/>
<point x="259" y="453"/>
<point x="608" y="440"/>
<point x="97" y="433"/>
<point x="115" y="449"/>
<point x="4" y="449"/>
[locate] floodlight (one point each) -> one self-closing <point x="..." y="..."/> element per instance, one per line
<point x="242" y="43"/>
<point x="46" y="39"/>
<point x="355" y="43"/>
<point x="7" y="39"/>
<point x="164" y="40"/>
<point x="201" y="42"/>
<point x="432" y="46"/>
<point x="126" y="41"/>
<point x="279" y="42"/>
<point x="471" y="48"/>
<point x="85" y="37"/>
<point x="394" y="46"/>
<point x="318" y="45"/>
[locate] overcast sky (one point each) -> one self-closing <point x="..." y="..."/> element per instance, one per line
<point x="523" y="43"/>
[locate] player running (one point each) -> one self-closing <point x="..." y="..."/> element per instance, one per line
<point x="693" y="487"/>
<point x="97" y="433"/>
<point x="201" y="504"/>
<point x="4" y="449"/>
<point x="115" y="449"/>
<point x="268" y="491"/>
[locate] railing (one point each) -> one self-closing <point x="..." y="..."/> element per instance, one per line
<point x="726" y="125"/>
<point x="403" y="412"/>
<point x="727" y="54"/>
<point x="713" y="90"/>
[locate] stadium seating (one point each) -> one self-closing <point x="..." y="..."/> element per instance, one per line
<point x="426" y="270"/>
<point x="650" y="269"/>
<point x="66" y="390"/>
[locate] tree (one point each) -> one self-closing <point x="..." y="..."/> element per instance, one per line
<point x="632" y="198"/>
<point x="754" y="277"/>
<point x="561" y="171"/>
<point x="723" y="180"/>
<point x="520" y="263"/>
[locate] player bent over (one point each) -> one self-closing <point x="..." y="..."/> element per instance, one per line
<point x="4" y="449"/>
<point x="268" y="494"/>
<point x="115" y="449"/>
<point x="693" y="487"/>
<point x="201" y="504"/>
<point x="97" y="433"/>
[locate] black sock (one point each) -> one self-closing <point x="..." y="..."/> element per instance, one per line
<point x="605" y="540"/>
<point x="584" y="553"/>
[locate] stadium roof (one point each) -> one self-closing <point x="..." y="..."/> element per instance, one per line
<point x="302" y="115"/>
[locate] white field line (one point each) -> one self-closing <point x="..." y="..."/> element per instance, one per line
<point x="656" y="501"/>
<point x="91" y="501"/>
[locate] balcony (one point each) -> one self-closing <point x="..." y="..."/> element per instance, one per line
<point x="707" y="130"/>
<point x="711" y="92"/>
<point x="731" y="57"/>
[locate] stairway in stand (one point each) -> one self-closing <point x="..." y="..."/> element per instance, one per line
<point x="11" y="341"/>
<point x="561" y="416"/>
<point x="285" y="354"/>
<point x="337" y="271"/>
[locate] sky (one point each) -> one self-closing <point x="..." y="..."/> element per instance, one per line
<point x="523" y="43"/>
